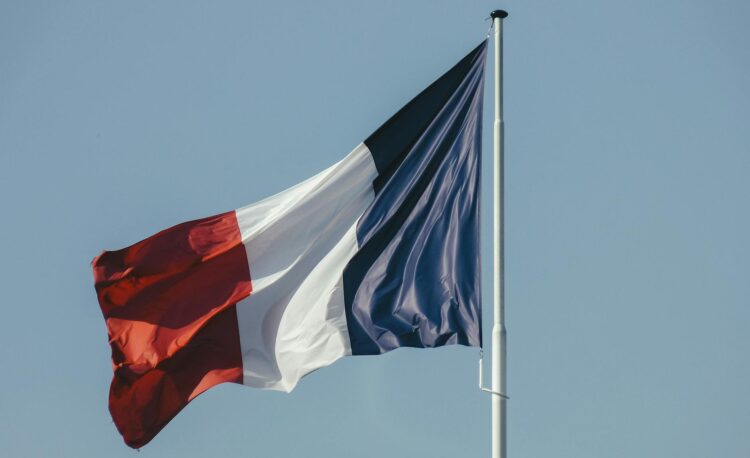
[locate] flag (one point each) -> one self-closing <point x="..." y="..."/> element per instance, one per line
<point x="377" y="252"/>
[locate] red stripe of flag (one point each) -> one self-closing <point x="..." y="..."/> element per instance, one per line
<point x="169" y="306"/>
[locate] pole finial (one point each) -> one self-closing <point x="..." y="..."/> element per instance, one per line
<point x="502" y="14"/>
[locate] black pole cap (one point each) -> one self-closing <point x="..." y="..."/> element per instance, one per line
<point x="502" y="14"/>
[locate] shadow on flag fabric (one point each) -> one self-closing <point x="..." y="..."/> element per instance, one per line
<point x="377" y="252"/>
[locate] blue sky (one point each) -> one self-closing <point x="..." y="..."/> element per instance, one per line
<point x="628" y="151"/>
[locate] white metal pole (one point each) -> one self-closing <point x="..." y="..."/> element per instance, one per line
<point x="499" y="443"/>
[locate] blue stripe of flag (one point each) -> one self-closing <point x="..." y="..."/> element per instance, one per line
<point x="415" y="281"/>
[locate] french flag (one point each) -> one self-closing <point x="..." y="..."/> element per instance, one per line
<point x="377" y="252"/>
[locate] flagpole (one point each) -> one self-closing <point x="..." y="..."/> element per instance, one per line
<point x="499" y="443"/>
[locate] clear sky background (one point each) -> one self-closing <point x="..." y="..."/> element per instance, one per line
<point x="628" y="153"/>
